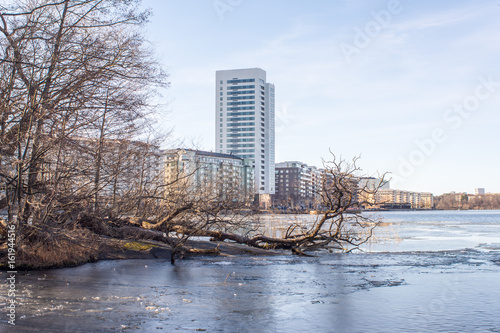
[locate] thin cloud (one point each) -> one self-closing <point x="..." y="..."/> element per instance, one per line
<point x="442" y="19"/>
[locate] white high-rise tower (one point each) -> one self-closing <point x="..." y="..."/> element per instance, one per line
<point x="244" y="119"/>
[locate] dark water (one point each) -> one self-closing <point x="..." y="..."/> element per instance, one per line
<point x="427" y="272"/>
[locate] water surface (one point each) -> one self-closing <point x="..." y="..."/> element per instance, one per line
<point x="426" y="272"/>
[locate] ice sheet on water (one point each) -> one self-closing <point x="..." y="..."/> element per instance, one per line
<point x="489" y="246"/>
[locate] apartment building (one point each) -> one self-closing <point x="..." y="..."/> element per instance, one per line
<point x="198" y="168"/>
<point x="389" y="198"/>
<point x="244" y="117"/>
<point x="297" y="185"/>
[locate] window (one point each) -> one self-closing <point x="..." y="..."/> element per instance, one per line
<point x="242" y="151"/>
<point x="240" y="102"/>
<point x="241" y="108"/>
<point x="243" y="92"/>
<point x="230" y="114"/>
<point x="241" y="145"/>
<point x="240" y="97"/>
<point x="240" y="134"/>
<point x="241" y="140"/>
<point x="245" y="129"/>
<point x="241" y="87"/>
<point x="241" y="119"/>
<point x="235" y="80"/>
<point x="241" y="124"/>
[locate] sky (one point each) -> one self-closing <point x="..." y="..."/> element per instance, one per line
<point x="412" y="87"/>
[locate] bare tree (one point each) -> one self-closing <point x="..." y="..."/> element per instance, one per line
<point x="76" y="82"/>
<point x="70" y="70"/>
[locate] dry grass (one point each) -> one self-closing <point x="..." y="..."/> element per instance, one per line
<point x="53" y="247"/>
<point x="72" y="243"/>
<point x="138" y="246"/>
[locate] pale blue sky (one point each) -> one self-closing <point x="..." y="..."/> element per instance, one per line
<point x="349" y="81"/>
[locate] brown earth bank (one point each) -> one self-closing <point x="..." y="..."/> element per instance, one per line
<point x="117" y="249"/>
<point x="89" y="239"/>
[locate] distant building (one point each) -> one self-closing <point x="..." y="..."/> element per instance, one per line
<point x="372" y="183"/>
<point x="298" y="185"/>
<point x="367" y="187"/>
<point x="480" y="191"/>
<point x="388" y="198"/>
<point x="244" y="118"/>
<point x="112" y="169"/>
<point x="203" y="168"/>
<point x="385" y="197"/>
<point x="293" y="184"/>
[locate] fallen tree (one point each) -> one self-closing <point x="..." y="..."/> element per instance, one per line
<point x="341" y="224"/>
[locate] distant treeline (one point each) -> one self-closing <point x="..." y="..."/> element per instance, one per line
<point x="466" y="201"/>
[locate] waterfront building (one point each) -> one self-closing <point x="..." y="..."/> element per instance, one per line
<point x="371" y="183"/>
<point x="298" y="186"/>
<point x="367" y="186"/>
<point x="217" y="171"/>
<point x="244" y="117"/>
<point x="389" y="198"/>
<point x="292" y="184"/>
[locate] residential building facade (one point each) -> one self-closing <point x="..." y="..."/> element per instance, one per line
<point x="203" y="168"/>
<point x="245" y="122"/>
<point x="367" y="188"/>
<point x="480" y="191"/>
<point x="388" y="198"/>
<point x="297" y="185"/>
